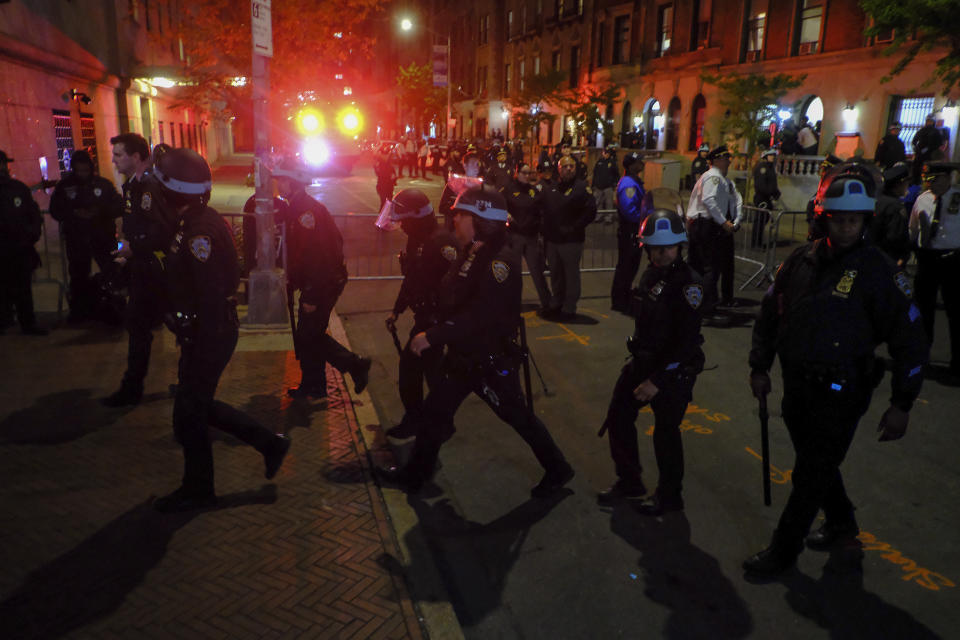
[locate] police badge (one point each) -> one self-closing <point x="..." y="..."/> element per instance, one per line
<point x="17" y="202"/>
<point x="448" y="252"/>
<point x="200" y="247"/>
<point x="846" y="282"/>
<point x="630" y="191"/>
<point x="500" y="269"/>
<point x="306" y="220"/>
<point x="693" y="293"/>
<point x="903" y="283"/>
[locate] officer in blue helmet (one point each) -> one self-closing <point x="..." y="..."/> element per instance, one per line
<point x="632" y="206"/>
<point x="479" y="310"/>
<point x="665" y="359"/>
<point x="832" y="303"/>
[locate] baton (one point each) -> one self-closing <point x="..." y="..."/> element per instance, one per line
<point x="293" y="322"/>
<point x="765" y="449"/>
<point x="396" y="340"/>
<point x="526" y="364"/>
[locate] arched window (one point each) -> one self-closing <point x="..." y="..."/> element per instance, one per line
<point x="627" y="122"/>
<point x="698" y="118"/>
<point x="673" y="123"/>
<point x="652" y="124"/>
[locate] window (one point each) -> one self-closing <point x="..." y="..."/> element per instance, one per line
<point x="555" y="60"/>
<point x="698" y="118"/>
<point x="536" y="65"/>
<point x="700" y="28"/>
<point x="523" y="17"/>
<point x="173" y="136"/>
<point x="811" y="17"/>
<point x="601" y="30"/>
<point x="621" y="39"/>
<point x="557" y="9"/>
<point x="523" y="70"/>
<point x="484" y="28"/>
<point x="146" y="12"/>
<point x="579" y="7"/>
<point x="574" y="66"/>
<point x="481" y="80"/>
<point x="88" y="135"/>
<point x="183" y="138"/>
<point x="162" y="136"/>
<point x="506" y="79"/>
<point x="673" y="124"/>
<point x="664" y="29"/>
<point x="756" y="27"/>
<point x="63" y="132"/>
<point x="539" y="9"/>
<point x="911" y="113"/>
<point x="510" y="32"/>
<point x="160" y="18"/>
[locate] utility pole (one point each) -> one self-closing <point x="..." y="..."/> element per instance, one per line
<point x="266" y="297"/>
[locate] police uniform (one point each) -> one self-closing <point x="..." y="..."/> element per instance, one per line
<point x="713" y="201"/>
<point x="665" y="349"/>
<point x="825" y="314"/>
<point x="698" y="167"/>
<point x="20" y="227"/>
<point x="86" y="210"/>
<point x="765" y="192"/>
<point x="890" y="151"/>
<point x="499" y="175"/>
<point x="202" y="275"/>
<point x="605" y="176"/>
<point x="568" y="207"/>
<point x="315" y="267"/>
<point x="889" y="226"/>
<point x="631" y="210"/>
<point x="480" y="314"/>
<point x="525" y="208"/>
<point x="386" y="179"/>
<point x="935" y="229"/>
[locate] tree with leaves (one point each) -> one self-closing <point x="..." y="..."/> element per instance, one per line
<point x="528" y="106"/>
<point x="310" y="37"/>
<point x="586" y="106"/>
<point x="919" y="26"/>
<point x="425" y="102"/>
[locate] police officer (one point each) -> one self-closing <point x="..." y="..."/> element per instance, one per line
<point x="146" y="238"/>
<point x="935" y="230"/>
<point x="202" y="274"/>
<point x="813" y="230"/>
<point x="832" y="303"/>
<point x="714" y="214"/>
<point x="765" y="193"/>
<point x="430" y="251"/>
<point x="480" y="312"/>
<point x="631" y="210"/>
<point x="86" y="206"/>
<point x="888" y="228"/>
<point x="926" y="142"/>
<point x="605" y="176"/>
<point x="315" y="267"/>
<point x="499" y="175"/>
<point x="525" y="215"/>
<point x="386" y="176"/>
<point x="568" y="207"/>
<point x="665" y="360"/>
<point x="890" y="150"/>
<point x="457" y="183"/>
<point x="20" y="227"/>
<point x="699" y="165"/>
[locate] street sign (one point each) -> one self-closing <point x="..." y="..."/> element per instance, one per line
<point x="262" y="27"/>
<point x="439" y="65"/>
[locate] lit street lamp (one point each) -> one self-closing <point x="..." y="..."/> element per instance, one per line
<point x="406" y="24"/>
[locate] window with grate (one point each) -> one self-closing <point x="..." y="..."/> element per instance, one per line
<point x="756" y="27"/>
<point x="484" y="29"/>
<point x="811" y="17"/>
<point x="911" y="113"/>
<point x="664" y="29"/>
<point x="506" y="79"/>
<point x="63" y="132"/>
<point x="555" y="60"/>
<point x="88" y="135"/>
<point x="621" y="39"/>
<point x="700" y="27"/>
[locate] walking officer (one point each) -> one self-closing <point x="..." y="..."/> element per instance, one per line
<point x="147" y="237"/>
<point x="889" y="226"/>
<point x="714" y="215"/>
<point x="20" y="227"/>
<point x="525" y="215"/>
<point x="765" y="192"/>
<point x="86" y="206"/>
<point x="315" y="266"/>
<point x="832" y="303"/>
<point x="202" y="273"/>
<point x="430" y="251"/>
<point x="665" y="360"/>
<point x="631" y="210"/>
<point x="480" y="315"/>
<point x="935" y="230"/>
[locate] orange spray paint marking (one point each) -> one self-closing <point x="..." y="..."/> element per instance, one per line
<point x="912" y="573"/>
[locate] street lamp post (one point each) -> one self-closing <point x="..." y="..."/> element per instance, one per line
<point x="406" y="24"/>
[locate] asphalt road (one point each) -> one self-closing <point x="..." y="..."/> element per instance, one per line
<point x="567" y="568"/>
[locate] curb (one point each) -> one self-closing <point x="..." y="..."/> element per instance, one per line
<point x="435" y="614"/>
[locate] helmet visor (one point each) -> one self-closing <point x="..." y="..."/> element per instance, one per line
<point x="387" y="220"/>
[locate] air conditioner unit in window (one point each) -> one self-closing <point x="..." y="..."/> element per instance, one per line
<point x="753" y="56"/>
<point x="884" y="37"/>
<point x="807" y="48"/>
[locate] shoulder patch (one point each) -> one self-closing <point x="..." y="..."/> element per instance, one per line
<point x="17" y="201"/>
<point x="693" y="294"/>
<point x="200" y="247"/>
<point x="715" y="180"/>
<point x="630" y="191"/>
<point x="763" y="170"/>
<point x="903" y="283"/>
<point x="533" y="193"/>
<point x="500" y="269"/>
<point x="307" y="220"/>
<point x="589" y="189"/>
<point x="146" y="201"/>
<point x="448" y="252"/>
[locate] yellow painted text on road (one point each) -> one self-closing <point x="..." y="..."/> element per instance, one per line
<point x="921" y="575"/>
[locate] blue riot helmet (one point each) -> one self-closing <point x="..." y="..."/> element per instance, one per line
<point x="662" y="228"/>
<point x="489" y="210"/>
<point x="408" y="204"/>
<point x="849" y="187"/>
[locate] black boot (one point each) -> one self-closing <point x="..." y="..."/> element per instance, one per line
<point x="274" y="459"/>
<point x="824" y="538"/>
<point x="361" y="374"/>
<point x="553" y="481"/>
<point x="622" y="490"/>
<point x="400" y="477"/>
<point x="773" y="560"/>
<point x="658" y="505"/>
<point x="406" y="429"/>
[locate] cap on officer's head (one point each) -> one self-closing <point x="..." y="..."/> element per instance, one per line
<point x="630" y="159"/>
<point x="662" y="228"/>
<point x="897" y="173"/>
<point x="849" y="187"/>
<point x="704" y="148"/>
<point x="484" y="202"/>
<point x="184" y="172"/>
<point x="894" y="125"/>
<point x="408" y="204"/>
<point x="768" y="153"/>
<point x="718" y="153"/>
<point x="294" y="169"/>
<point x="81" y="156"/>
<point x="4" y="157"/>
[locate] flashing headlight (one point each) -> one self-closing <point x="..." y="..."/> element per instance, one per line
<point x="315" y="152"/>
<point x="309" y="121"/>
<point x="350" y="121"/>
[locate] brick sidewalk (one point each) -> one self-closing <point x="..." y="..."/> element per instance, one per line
<point x="84" y="554"/>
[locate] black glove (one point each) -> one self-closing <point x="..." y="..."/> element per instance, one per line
<point x="760" y="383"/>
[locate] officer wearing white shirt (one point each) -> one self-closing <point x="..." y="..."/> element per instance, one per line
<point x="935" y="230"/>
<point x="714" y="214"/>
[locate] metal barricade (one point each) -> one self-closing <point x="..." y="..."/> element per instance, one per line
<point x="600" y="243"/>
<point x="53" y="261"/>
<point x="756" y="243"/>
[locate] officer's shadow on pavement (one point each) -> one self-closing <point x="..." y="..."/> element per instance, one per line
<point x="93" y="335"/>
<point x="838" y="602"/>
<point x="474" y="559"/>
<point x="682" y="578"/>
<point x="93" y="579"/>
<point x="59" y="417"/>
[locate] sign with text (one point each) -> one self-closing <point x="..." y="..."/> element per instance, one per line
<point x="262" y="27"/>
<point x="439" y="65"/>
